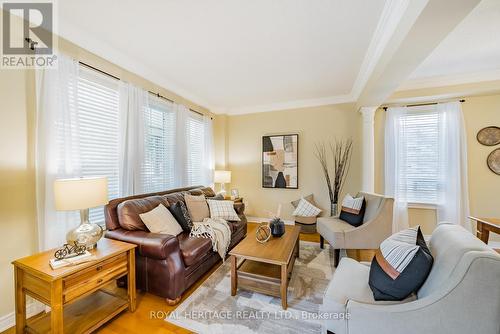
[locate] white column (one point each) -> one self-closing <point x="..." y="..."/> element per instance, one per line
<point x="368" y="160"/>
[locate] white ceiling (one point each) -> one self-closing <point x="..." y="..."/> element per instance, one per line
<point x="471" y="52"/>
<point x="232" y="55"/>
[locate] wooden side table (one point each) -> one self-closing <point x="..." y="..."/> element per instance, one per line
<point x="485" y="226"/>
<point x="75" y="294"/>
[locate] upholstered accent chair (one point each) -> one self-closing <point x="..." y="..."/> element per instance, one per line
<point x="376" y="227"/>
<point x="461" y="295"/>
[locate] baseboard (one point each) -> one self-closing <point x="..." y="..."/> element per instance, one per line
<point x="9" y="320"/>
<point x="253" y="219"/>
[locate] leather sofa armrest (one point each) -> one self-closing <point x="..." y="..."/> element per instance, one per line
<point x="152" y="245"/>
<point x="239" y="207"/>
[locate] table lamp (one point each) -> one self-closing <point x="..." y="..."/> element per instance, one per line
<point x="82" y="194"/>
<point x="222" y="177"/>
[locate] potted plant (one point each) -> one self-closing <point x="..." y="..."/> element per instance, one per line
<point x="341" y="155"/>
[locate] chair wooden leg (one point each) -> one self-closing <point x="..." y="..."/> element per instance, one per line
<point x="321" y="242"/>
<point x="336" y="257"/>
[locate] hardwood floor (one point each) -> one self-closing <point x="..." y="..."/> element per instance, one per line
<point x="150" y="308"/>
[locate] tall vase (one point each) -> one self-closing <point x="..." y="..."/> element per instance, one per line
<point x="334" y="209"/>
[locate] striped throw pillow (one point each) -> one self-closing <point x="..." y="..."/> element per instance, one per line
<point x="306" y="209"/>
<point x="400" y="266"/>
<point x="353" y="210"/>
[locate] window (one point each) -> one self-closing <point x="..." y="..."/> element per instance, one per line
<point x="97" y="106"/>
<point x="158" y="171"/>
<point x="195" y="149"/>
<point x="418" y="155"/>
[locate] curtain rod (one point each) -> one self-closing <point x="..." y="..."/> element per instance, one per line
<point x="117" y="78"/>
<point x="425" y="104"/>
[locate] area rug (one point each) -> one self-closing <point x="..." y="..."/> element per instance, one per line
<point x="212" y="309"/>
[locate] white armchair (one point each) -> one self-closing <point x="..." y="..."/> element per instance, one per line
<point x="377" y="226"/>
<point x="460" y="296"/>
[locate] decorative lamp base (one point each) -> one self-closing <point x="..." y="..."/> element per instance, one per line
<point x="86" y="233"/>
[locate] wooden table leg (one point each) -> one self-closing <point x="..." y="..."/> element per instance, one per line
<point x="297" y="246"/>
<point x="131" y="281"/>
<point x="482" y="232"/>
<point x="56" y="308"/>
<point x="20" y="301"/>
<point x="284" y="285"/>
<point x="234" y="276"/>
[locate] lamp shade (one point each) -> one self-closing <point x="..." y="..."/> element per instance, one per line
<point x="80" y="193"/>
<point x="222" y="176"/>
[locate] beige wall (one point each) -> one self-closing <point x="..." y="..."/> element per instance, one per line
<point x="17" y="185"/>
<point x="220" y="141"/>
<point x="479" y="112"/>
<point x="244" y="140"/>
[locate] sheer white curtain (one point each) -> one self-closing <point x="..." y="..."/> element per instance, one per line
<point x="181" y="119"/>
<point x="395" y="141"/>
<point x="208" y="158"/>
<point x="57" y="147"/>
<point x="133" y="103"/>
<point x="453" y="202"/>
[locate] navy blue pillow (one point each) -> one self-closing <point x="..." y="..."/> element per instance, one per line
<point x="409" y="281"/>
<point x="352" y="218"/>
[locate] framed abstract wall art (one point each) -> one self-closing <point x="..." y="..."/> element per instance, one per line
<point x="280" y="156"/>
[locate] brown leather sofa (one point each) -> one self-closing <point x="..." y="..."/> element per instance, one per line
<point x="166" y="265"/>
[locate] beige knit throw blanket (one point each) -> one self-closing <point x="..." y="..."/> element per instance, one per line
<point x="217" y="230"/>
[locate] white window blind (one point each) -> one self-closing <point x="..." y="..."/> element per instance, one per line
<point x="418" y="155"/>
<point x="195" y="132"/>
<point x="97" y="109"/>
<point x="158" y="171"/>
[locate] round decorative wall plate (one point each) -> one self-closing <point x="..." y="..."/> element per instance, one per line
<point x="494" y="161"/>
<point x="489" y="136"/>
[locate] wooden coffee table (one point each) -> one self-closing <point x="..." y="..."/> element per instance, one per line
<point x="267" y="267"/>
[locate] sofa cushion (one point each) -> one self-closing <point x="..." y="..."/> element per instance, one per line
<point x="160" y="220"/>
<point x="128" y="211"/>
<point x="193" y="249"/>
<point x="197" y="207"/>
<point x="181" y="214"/>
<point x="223" y="209"/>
<point x="175" y="197"/>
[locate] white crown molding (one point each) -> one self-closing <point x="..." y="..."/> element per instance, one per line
<point x="104" y="50"/>
<point x="388" y="22"/>
<point x="306" y="103"/>
<point x="450" y="80"/>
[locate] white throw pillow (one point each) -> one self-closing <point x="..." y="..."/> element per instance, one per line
<point x="160" y="220"/>
<point x="306" y="209"/>
<point x="222" y="209"/>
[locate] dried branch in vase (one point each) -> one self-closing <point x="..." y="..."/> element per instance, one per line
<point x="341" y="155"/>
